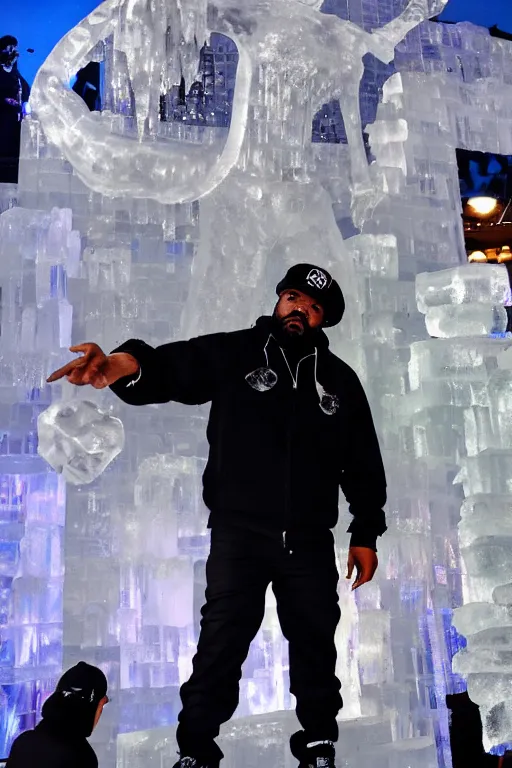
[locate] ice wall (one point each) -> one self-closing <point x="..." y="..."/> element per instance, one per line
<point x="141" y="273"/>
<point x="36" y="249"/>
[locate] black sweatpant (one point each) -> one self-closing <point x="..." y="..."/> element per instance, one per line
<point x="239" y="569"/>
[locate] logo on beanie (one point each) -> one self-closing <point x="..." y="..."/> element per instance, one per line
<point x="317" y="279"/>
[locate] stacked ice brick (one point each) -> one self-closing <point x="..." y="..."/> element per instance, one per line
<point x="419" y="124"/>
<point x="38" y="250"/>
<point x="452" y="416"/>
<point x="485" y="371"/>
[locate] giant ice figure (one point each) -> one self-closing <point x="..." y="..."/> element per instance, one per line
<point x="266" y="200"/>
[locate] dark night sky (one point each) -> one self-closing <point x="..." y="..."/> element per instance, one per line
<point x="40" y="24"/>
<point x="484" y="12"/>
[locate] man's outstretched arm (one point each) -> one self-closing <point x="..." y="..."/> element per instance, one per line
<point x="183" y="371"/>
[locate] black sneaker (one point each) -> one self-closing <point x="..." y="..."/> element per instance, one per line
<point x="191" y="762"/>
<point x="320" y="754"/>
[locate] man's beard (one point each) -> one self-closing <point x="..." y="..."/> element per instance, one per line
<point x="294" y="339"/>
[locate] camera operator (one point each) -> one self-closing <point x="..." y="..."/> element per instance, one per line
<point x="14" y="95"/>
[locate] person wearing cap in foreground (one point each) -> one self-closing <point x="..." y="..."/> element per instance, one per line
<point x="70" y="715"/>
<point x="289" y="425"/>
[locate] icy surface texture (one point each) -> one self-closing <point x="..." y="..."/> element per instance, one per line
<point x="263" y="740"/>
<point x="8" y="196"/>
<point x="465" y="301"/>
<point x="141" y="272"/>
<point x="295" y="49"/>
<point x="36" y="250"/>
<point x="471" y="284"/>
<point x="471" y="421"/>
<point x="78" y="440"/>
<point x="486" y="546"/>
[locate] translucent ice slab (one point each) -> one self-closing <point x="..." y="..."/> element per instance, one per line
<point x="78" y="440"/>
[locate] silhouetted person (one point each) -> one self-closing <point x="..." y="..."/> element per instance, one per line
<point x="87" y="86"/>
<point x="69" y="717"/>
<point x="466" y="736"/>
<point x="14" y="96"/>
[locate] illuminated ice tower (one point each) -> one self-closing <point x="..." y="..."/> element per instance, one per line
<point x="160" y="208"/>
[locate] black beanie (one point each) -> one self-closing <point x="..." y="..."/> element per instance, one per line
<point x="318" y="284"/>
<point x="75" y="699"/>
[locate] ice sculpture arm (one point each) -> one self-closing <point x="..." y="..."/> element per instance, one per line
<point x="363" y="480"/>
<point x="383" y="41"/>
<point x="183" y="371"/>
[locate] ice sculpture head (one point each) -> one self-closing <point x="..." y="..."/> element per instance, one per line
<point x="78" y="700"/>
<point x="159" y="42"/>
<point x="78" y="440"/>
<point x="310" y="292"/>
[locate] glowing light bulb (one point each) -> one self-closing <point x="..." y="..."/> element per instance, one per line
<point x="483" y="206"/>
<point x="477" y="256"/>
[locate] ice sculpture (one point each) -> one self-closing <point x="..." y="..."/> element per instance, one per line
<point x="461" y="377"/>
<point x="130" y="268"/>
<point x="78" y="440"/>
<point x="486" y="537"/>
<point x="308" y="58"/>
<point x="464" y="302"/>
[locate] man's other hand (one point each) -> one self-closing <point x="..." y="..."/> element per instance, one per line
<point x="365" y="562"/>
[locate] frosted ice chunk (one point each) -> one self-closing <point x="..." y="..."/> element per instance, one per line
<point x="467" y="284"/>
<point x="432" y="394"/>
<point x="502" y="595"/>
<point x="462" y="359"/>
<point x="375" y="254"/>
<point x="478" y="431"/>
<point x="78" y="440"/>
<point x="475" y="617"/>
<point x="489" y="472"/>
<point x="504" y="360"/>
<point x="491" y="689"/>
<point x="490" y="558"/>
<point x="108" y="269"/>
<point x="500" y="396"/>
<point x="486" y="660"/>
<point x="449" y="321"/>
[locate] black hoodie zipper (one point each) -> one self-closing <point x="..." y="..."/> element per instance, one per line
<point x="288" y="506"/>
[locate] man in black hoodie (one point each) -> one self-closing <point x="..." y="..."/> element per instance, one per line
<point x="70" y="715"/>
<point x="289" y="425"/>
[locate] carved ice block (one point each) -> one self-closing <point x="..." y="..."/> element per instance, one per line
<point x="78" y="440"/>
